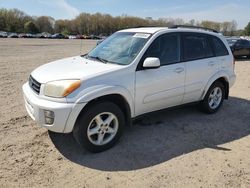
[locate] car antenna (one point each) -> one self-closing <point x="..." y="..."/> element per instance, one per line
<point x="81" y="44"/>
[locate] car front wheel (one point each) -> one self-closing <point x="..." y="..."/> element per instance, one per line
<point x="99" y="127"/>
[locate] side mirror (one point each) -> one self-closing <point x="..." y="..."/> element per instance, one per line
<point x="151" y="63"/>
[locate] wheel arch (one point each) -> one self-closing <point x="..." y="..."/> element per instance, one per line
<point x="115" y="98"/>
<point x="116" y="94"/>
<point x="226" y="85"/>
<point x="221" y="78"/>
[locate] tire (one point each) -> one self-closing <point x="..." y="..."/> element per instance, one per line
<point x="93" y="130"/>
<point x="211" y="105"/>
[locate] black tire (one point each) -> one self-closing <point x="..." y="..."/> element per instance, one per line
<point x="80" y="131"/>
<point x="204" y="106"/>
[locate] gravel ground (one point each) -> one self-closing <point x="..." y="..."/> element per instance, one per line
<point x="180" y="147"/>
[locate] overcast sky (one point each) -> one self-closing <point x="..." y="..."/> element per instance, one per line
<point x="215" y="10"/>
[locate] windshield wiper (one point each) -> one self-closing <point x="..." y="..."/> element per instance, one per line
<point x="101" y="59"/>
<point x="98" y="58"/>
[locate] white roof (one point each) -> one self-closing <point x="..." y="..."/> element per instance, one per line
<point x="152" y="30"/>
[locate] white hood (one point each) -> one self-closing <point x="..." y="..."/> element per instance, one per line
<point x="71" y="68"/>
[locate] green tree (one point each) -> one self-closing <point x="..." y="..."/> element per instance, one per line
<point x="45" y="24"/>
<point x="3" y="13"/>
<point x="65" y="32"/>
<point x="247" y="29"/>
<point x="30" y="27"/>
<point x="13" y="20"/>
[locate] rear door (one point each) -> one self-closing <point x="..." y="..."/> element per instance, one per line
<point x="201" y="64"/>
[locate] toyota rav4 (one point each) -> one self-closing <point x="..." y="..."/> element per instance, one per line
<point x="132" y="72"/>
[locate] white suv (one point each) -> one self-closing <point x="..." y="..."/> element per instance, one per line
<point x="132" y="72"/>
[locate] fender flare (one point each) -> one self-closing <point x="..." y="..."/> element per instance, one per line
<point x="103" y="90"/>
<point x="218" y="75"/>
<point x="92" y="93"/>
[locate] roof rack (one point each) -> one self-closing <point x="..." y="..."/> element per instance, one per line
<point x="146" y="26"/>
<point x="192" y="27"/>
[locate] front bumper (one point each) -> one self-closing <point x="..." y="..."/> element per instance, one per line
<point x="65" y="114"/>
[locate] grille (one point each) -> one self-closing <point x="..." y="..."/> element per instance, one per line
<point x="35" y="85"/>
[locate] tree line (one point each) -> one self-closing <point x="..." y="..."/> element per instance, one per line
<point x="14" y="20"/>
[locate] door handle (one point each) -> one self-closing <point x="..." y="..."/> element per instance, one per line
<point x="211" y="63"/>
<point x="179" y="70"/>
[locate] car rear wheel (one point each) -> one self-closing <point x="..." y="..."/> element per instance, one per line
<point x="214" y="98"/>
<point x="99" y="127"/>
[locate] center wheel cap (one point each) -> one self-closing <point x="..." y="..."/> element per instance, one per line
<point x="102" y="128"/>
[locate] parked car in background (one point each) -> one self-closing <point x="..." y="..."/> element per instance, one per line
<point x="3" y="34"/>
<point x="86" y="37"/>
<point x="13" y="35"/>
<point x="95" y="37"/>
<point x="29" y="35"/>
<point x="46" y="35"/>
<point x="72" y="36"/>
<point x="79" y="36"/>
<point x="25" y="35"/>
<point x="43" y="35"/>
<point x="132" y="72"/>
<point x="58" y="36"/>
<point x="22" y="35"/>
<point x="240" y="47"/>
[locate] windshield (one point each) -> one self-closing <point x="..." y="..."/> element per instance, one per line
<point x="120" y="48"/>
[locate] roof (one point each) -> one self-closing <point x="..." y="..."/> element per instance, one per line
<point x="152" y="30"/>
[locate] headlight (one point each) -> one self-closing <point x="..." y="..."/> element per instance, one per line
<point x="61" y="88"/>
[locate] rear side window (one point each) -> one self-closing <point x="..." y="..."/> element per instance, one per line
<point x="219" y="47"/>
<point x="196" y="46"/>
<point x="166" y="47"/>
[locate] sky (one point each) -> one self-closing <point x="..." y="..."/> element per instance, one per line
<point x="214" y="10"/>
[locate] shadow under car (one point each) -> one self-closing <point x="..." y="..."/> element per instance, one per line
<point x="157" y="138"/>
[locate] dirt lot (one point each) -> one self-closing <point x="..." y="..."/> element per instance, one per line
<point x="175" y="148"/>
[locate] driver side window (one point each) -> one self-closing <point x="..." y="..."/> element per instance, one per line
<point x="166" y="47"/>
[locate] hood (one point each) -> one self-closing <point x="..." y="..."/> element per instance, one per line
<point x="71" y="68"/>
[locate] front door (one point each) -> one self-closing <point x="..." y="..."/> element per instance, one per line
<point x="162" y="87"/>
